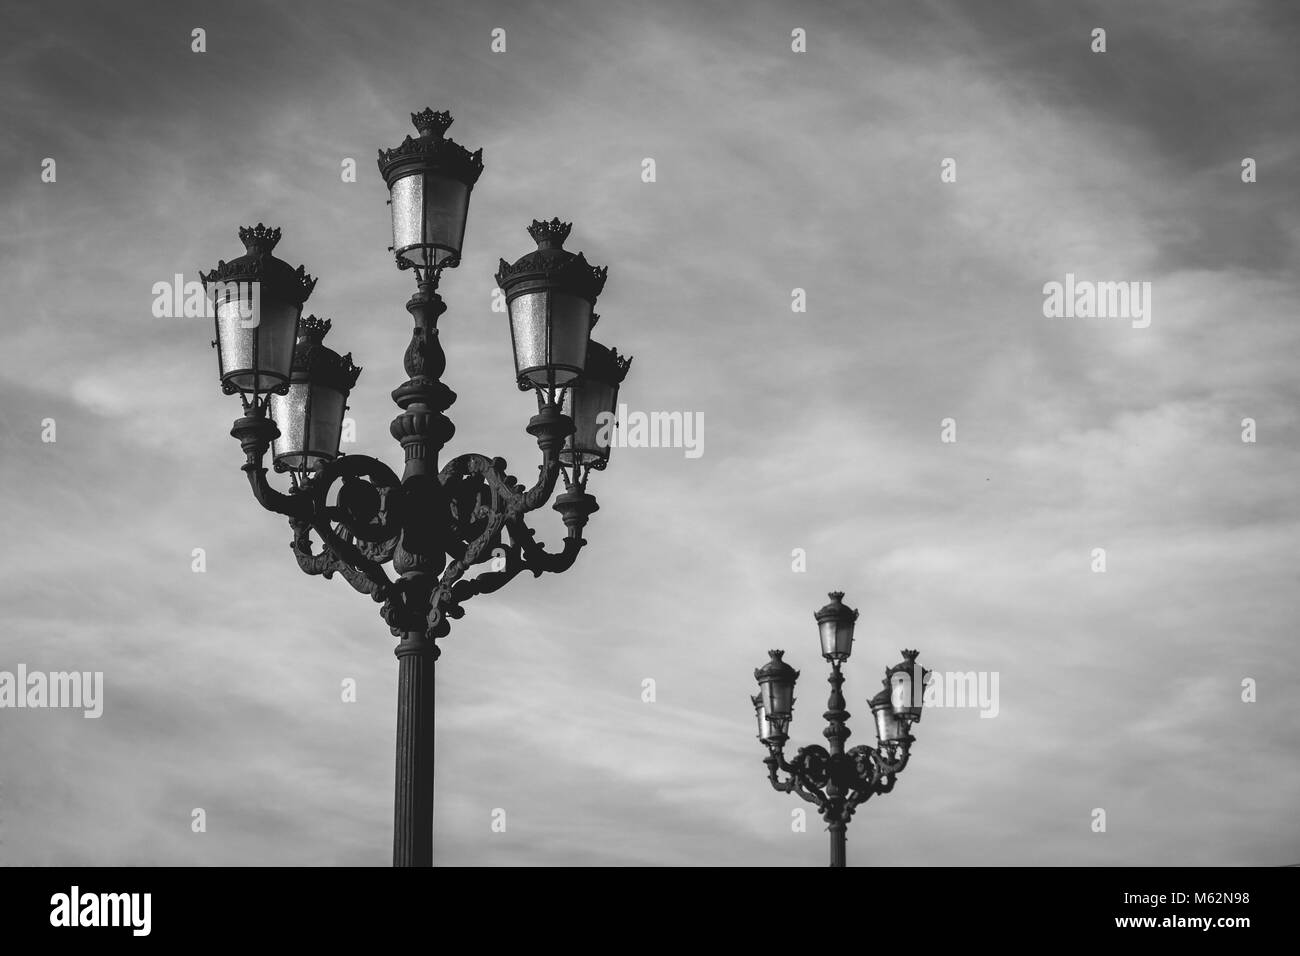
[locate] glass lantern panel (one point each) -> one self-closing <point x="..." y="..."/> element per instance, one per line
<point x="289" y="412"/>
<point x="570" y="332"/>
<point x="277" y="331"/>
<point x="900" y="691"/>
<point x="827" y="630"/>
<point x="528" y="321"/>
<point x="324" y="425"/>
<point x="235" y="337"/>
<point x="445" y="210"/>
<point x="887" y="725"/>
<point x="593" y="431"/>
<point x="778" y="698"/>
<point x="255" y="338"/>
<point x="429" y="215"/>
<point x="408" y="214"/>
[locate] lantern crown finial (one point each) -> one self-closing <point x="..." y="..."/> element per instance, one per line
<point x="550" y="235"/>
<point x="431" y="123"/>
<point x="259" y="238"/>
<point x="314" y="328"/>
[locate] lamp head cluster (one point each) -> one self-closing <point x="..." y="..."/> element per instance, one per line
<point x="895" y="708"/>
<point x="276" y="361"/>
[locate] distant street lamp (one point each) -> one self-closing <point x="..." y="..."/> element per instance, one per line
<point x="435" y="524"/>
<point x="835" y="781"/>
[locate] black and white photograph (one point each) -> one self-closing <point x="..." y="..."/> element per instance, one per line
<point x="606" y="435"/>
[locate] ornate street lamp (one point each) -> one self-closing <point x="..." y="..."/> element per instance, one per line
<point x="435" y="524"/>
<point x="837" y="782"/>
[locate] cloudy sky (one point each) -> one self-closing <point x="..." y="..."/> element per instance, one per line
<point x="775" y="171"/>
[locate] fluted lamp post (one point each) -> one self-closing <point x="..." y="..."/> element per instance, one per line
<point x="835" y="781"/>
<point x="408" y="543"/>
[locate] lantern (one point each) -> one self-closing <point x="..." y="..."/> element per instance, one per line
<point x="592" y="403"/>
<point x="776" y="691"/>
<point x="906" y="681"/>
<point x="257" y="300"/>
<point x="310" y="415"/>
<point x="835" y="625"/>
<point x="550" y="294"/>
<point x="429" y="180"/>
<point x="889" y="729"/>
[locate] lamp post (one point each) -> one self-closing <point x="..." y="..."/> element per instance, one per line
<point x="836" y="781"/>
<point x="435" y="523"/>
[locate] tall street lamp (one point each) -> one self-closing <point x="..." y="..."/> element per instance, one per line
<point x="435" y="523"/>
<point x="838" y="782"/>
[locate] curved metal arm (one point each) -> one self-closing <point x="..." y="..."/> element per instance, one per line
<point x="351" y="554"/>
<point x="548" y="474"/>
<point x="489" y="581"/>
<point x="893" y="767"/>
<point x="255" y="433"/>
<point x="295" y="506"/>
<point x="326" y="563"/>
<point x="792" y="783"/>
<point x="866" y="768"/>
<point x="305" y="507"/>
<point x="486" y="509"/>
<point x="370" y="520"/>
<point x="799" y="780"/>
<point x="537" y="559"/>
<point x="323" y="564"/>
<point x="812" y="794"/>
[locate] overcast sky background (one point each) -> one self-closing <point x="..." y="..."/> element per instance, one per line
<point x="775" y="170"/>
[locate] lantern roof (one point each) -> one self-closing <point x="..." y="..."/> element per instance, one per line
<point x="906" y="664"/>
<point x="775" y="669"/>
<point x="431" y="151"/>
<point x="552" y="265"/>
<point x="315" y="362"/>
<point x="259" y="265"/>
<point x="604" y="364"/>
<point x="836" y="610"/>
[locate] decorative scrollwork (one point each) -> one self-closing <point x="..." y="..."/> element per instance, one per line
<point x="432" y="528"/>
<point x="837" y="783"/>
<point x="369" y="499"/>
<point x="327" y="563"/>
